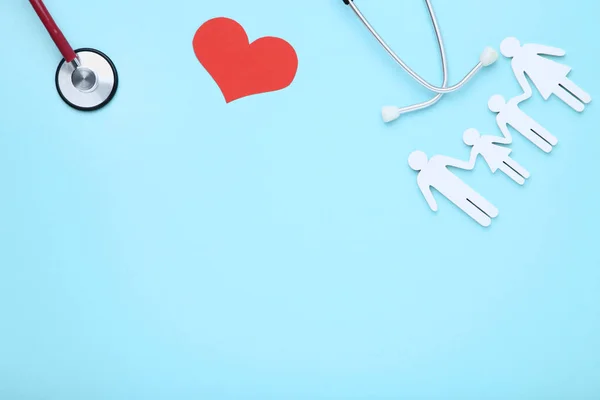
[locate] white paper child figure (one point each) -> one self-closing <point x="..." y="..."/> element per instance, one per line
<point x="496" y="156"/>
<point x="548" y="76"/>
<point x="434" y="173"/>
<point x="509" y="113"/>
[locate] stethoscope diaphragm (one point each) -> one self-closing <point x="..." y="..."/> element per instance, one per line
<point x="86" y="79"/>
<point x="90" y="85"/>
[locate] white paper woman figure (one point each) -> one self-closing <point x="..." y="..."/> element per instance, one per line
<point x="496" y="156"/>
<point x="548" y="76"/>
<point x="509" y="113"/>
<point x="434" y="173"/>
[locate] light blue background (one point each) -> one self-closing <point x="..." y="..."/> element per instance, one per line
<point x="172" y="246"/>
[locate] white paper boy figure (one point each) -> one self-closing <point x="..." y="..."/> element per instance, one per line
<point x="496" y="156"/>
<point x="509" y="113"/>
<point x="434" y="173"/>
<point x="548" y="76"/>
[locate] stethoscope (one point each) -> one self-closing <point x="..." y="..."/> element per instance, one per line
<point x="390" y="113"/>
<point x="86" y="79"/>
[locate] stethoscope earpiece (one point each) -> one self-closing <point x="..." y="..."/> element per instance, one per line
<point x="488" y="57"/>
<point x="390" y="113"/>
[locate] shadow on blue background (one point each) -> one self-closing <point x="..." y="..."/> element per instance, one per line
<point x="172" y="246"/>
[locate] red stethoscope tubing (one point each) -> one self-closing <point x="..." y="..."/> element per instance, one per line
<point x="55" y="33"/>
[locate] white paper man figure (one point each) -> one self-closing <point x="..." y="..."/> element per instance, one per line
<point x="548" y="76"/>
<point x="510" y="114"/>
<point x="496" y="156"/>
<point x="434" y="173"/>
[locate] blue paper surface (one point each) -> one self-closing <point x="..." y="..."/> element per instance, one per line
<point x="173" y="246"/>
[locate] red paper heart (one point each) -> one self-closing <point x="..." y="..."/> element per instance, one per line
<point x="241" y="68"/>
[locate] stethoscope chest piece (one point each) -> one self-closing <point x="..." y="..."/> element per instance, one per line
<point x="89" y="83"/>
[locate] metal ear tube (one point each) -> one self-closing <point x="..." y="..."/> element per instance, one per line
<point x="390" y="113"/>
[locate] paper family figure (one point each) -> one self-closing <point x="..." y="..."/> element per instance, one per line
<point x="435" y="173"/>
<point x="496" y="156"/>
<point x="509" y="113"/>
<point x="548" y="76"/>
